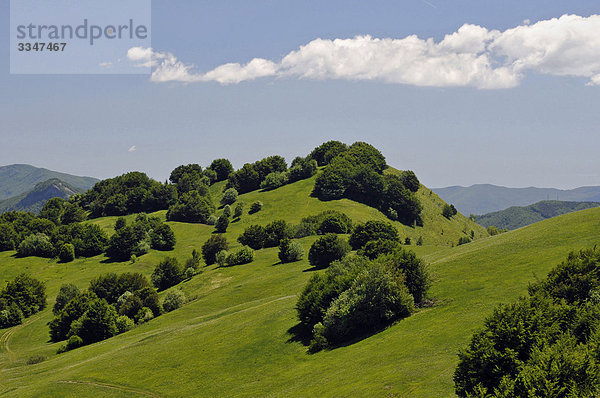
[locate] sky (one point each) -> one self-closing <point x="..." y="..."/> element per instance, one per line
<point x="461" y="92"/>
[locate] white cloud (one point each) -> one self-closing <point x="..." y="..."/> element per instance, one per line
<point x="132" y="148"/>
<point x="105" y="64"/>
<point x="472" y="56"/>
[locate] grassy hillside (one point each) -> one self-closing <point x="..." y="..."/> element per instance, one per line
<point x="233" y="339"/>
<point x="486" y="198"/>
<point x="517" y="217"/>
<point x="20" y="178"/>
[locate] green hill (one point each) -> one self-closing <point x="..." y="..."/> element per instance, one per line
<point x="517" y="217"/>
<point x="34" y="200"/>
<point x="233" y="338"/>
<point x="486" y="198"/>
<point x="17" y="179"/>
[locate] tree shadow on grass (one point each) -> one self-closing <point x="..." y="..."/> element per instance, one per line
<point x="300" y="334"/>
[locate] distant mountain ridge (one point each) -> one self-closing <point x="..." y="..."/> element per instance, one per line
<point x="17" y="179"/>
<point x="486" y="198"/>
<point x="34" y="200"/>
<point x="517" y="217"/>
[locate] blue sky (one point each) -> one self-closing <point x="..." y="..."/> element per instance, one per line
<point x="541" y="131"/>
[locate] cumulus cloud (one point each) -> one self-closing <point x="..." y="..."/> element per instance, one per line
<point x="473" y="56"/>
<point x="133" y="148"/>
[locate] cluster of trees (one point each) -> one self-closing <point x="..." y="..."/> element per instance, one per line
<point x="21" y="298"/>
<point x="139" y="237"/>
<point x="357" y="296"/>
<point x="449" y="211"/>
<point x="270" y="173"/>
<point x="543" y="345"/>
<point x="357" y="172"/>
<point x="112" y="304"/>
<point x="214" y="250"/>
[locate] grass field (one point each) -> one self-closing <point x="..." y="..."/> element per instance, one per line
<point x="233" y="338"/>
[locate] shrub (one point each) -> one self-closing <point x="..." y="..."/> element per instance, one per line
<point x="416" y="274"/>
<point x="61" y="324"/>
<point x="274" y="180"/>
<point x="407" y="241"/>
<point x="290" y="251"/>
<point x="66" y="253"/>
<point x="124" y="324"/>
<point x="189" y="273"/>
<point x="463" y="240"/>
<point x="253" y="236"/>
<point x="73" y="342"/>
<point x="372" y="230"/>
<point x="36" y="245"/>
<point x="275" y="231"/>
<point x="66" y="293"/>
<point x="410" y="180"/>
<point x="35" y="359"/>
<point x="302" y="168"/>
<point x="255" y="207"/>
<point x="243" y="256"/>
<point x="10" y="316"/>
<point x="123" y="244"/>
<point x="212" y="246"/>
<point x="130" y="306"/>
<point x="492" y="230"/>
<point x="375" y="248"/>
<point x="8" y="237"/>
<point x="194" y="261"/>
<point x="120" y="223"/>
<point x="229" y="196"/>
<point x="162" y="237"/>
<point x="173" y="300"/>
<point x="192" y="207"/>
<point x="150" y="299"/>
<point x="144" y="315"/>
<point x="227" y="211"/>
<point x="327" y="249"/>
<point x="222" y="224"/>
<point x="212" y="220"/>
<point x="27" y="293"/>
<point x="448" y="211"/>
<point x="239" y="210"/>
<point x="167" y="273"/>
<point x="221" y="258"/>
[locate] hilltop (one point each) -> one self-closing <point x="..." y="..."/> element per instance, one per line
<point x="17" y="179"/>
<point x="34" y="200"/>
<point x="517" y="217"/>
<point x="486" y="198"/>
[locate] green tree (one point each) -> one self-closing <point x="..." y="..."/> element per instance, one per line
<point x="27" y="293"/>
<point x="372" y="230"/>
<point x="167" y="273"/>
<point x="66" y="293"/>
<point x="327" y="151"/>
<point x="222" y="224"/>
<point x="327" y="249"/>
<point x="254" y="236"/>
<point x="66" y="253"/>
<point x="192" y="207"/>
<point x="162" y="237"/>
<point x="97" y="323"/>
<point x="212" y="246"/>
<point x="222" y="167"/>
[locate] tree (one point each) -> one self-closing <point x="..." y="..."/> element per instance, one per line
<point x="27" y="293"/>
<point x="229" y="196"/>
<point x="212" y="246"/>
<point x="122" y="244"/>
<point x="222" y="224"/>
<point x="255" y="207"/>
<point x="97" y="323"/>
<point x="275" y="231"/>
<point x="222" y="167"/>
<point x="416" y="274"/>
<point x="167" y="273"/>
<point x="274" y="180"/>
<point x="254" y="236"/>
<point x="53" y="210"/>
<point x="192" y="207"/>
<point x="327" y="151"/>
<point x="227" y="211"/>
<point x="410" y="180"/>
<point x="66" y="253"/>
<point x="73" y="310"/>
<point x="120" y="223"/>
<point x="173" y="300"/>
<point x="239" y="210"/>
<point x="302" y="168"/>
<point x="189" y="169"/>
<point x="290" y="251"/>
<point x="162" y="237"/>
<point x="243" y="256"/>
<point x="8" y="237"/>
<point x="66" y="293"/>
<point x="38" y="245"/>
<point x="327" y="249"/>
<point x="372" y="230"/>
<point x="245" y="179"/>
<point x="449" y="211"/>
<point x="374" y="248"/>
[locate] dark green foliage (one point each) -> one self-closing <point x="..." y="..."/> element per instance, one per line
<point x="120" y="224"/>
<point x="36" y="245"/>
<point x="10" y="315"/>
<point x="244" y="255"/>
<point x="302" y="168"/>
<point x="173" y="300"/>
<point x="410" y="181"/>
<point x="162" y="237"/>
<point x="274" y="180"/>
<point x="290" y="251"/>
<point x="66" y="253"/>
<point x="546" y="344"/>
<point x="374" y="248"/>
<point x="329" y="221"/>
<point x="416" y="275"/>
<point x="222" y="167"/>
<point x="194" y="261"/>
<point x="449" y="211"/>
<point x="89" y="239"/>
<point x="239" y="210"/>
<point x="8" y="237"/>
<point x="222" y="224"/>
<point x="75" y="308"/>
<point x="254" y="236"/>
<point x="212" y="246"/>
<point x="123" y="243"/>
<point x="27" y="293"/>
<point x="372" y="230"/>
<point x="180" y="171"/>
<point x="97" y="323"/>
<point x="275" y="231"/>
<point x="249" y="177"/>
<point x="61" y="212"/>
<point x="255" y="207"/>
<point x="229" y="196"/>
<point x="149" y="298"/>
<point x="463" y="240"/>
<point x="131" y="306"/>
<point x="193" y="182"/>
<point x="327" y="249"/>
<point x="66" y="293"/>
<point x="327" y="151"/>
<point x="167" y="273"/>
<point x="191" y="207"/>
<point x="404" y="203"/>
<point x="211" y="176"/>
<point x="111" y="286"/>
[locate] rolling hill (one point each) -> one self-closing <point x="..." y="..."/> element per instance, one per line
<point x="17" y="179"/>
<point x="486" y="198"/>
<point x="34" y="200"/>
<point x="517" y="217"/>
<point x="233" y="339"/>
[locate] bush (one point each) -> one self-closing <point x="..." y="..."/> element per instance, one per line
<point x="327" y="249"/>
<point x="36" y="245"/>
<point x="243" y="256"/>
<point x="229" y="196"/>
<point x="239" y="210"/>
<point x="276" y="231"/>
<point x="130" y="306"/>
<point x="189" y="273"/>
<point x="212" y="246"/>
<point x="35" y="359"/>
<point x="123" y="244"/>
<point x="66" y="253"/>
<point x="11" y="316"/>
<point x="326" y="152"/>
<point x="416" y="274"/>
<point x="335" y="222"/>
<point x="124" y="324"/>
<point x="8" y="237"/>
<point x="167" y="273"/>
<point x="463" y="240"/>
<point x="192" y="207"/>
<point x="372" y="230"/>
<point x="274" y="180"/>
<point x="173" y="300"/>
<point x="144" y="315"/>
<point x="227" y="211"/>
<point x="162" y="237"/>
<point x="255" y="207"/>
<point x="61" y="324"/>
<point x="27" y="293"/>
<point x="302" y="168"/>
<point x="375" y="248"/>
<point x="410" y="180"/>
<point x="66" y="293"/>
<point x="290" y="251"/>
<point x="194" y="261"/>
<point x="73" y="342"/>
<point x="449" y="211"/>
<point x="222" y="224"/>
<point x="212" y="220"/>
<point x="221" y="258"/>
<point x="253" y="236"/>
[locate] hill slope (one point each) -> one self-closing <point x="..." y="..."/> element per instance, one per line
<point x="517" y="217"/>
<point x="233" y="338"/>
<point x="20" y="178"/>
<point x="34" y="200"/>
<point x="486" y="198"/>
